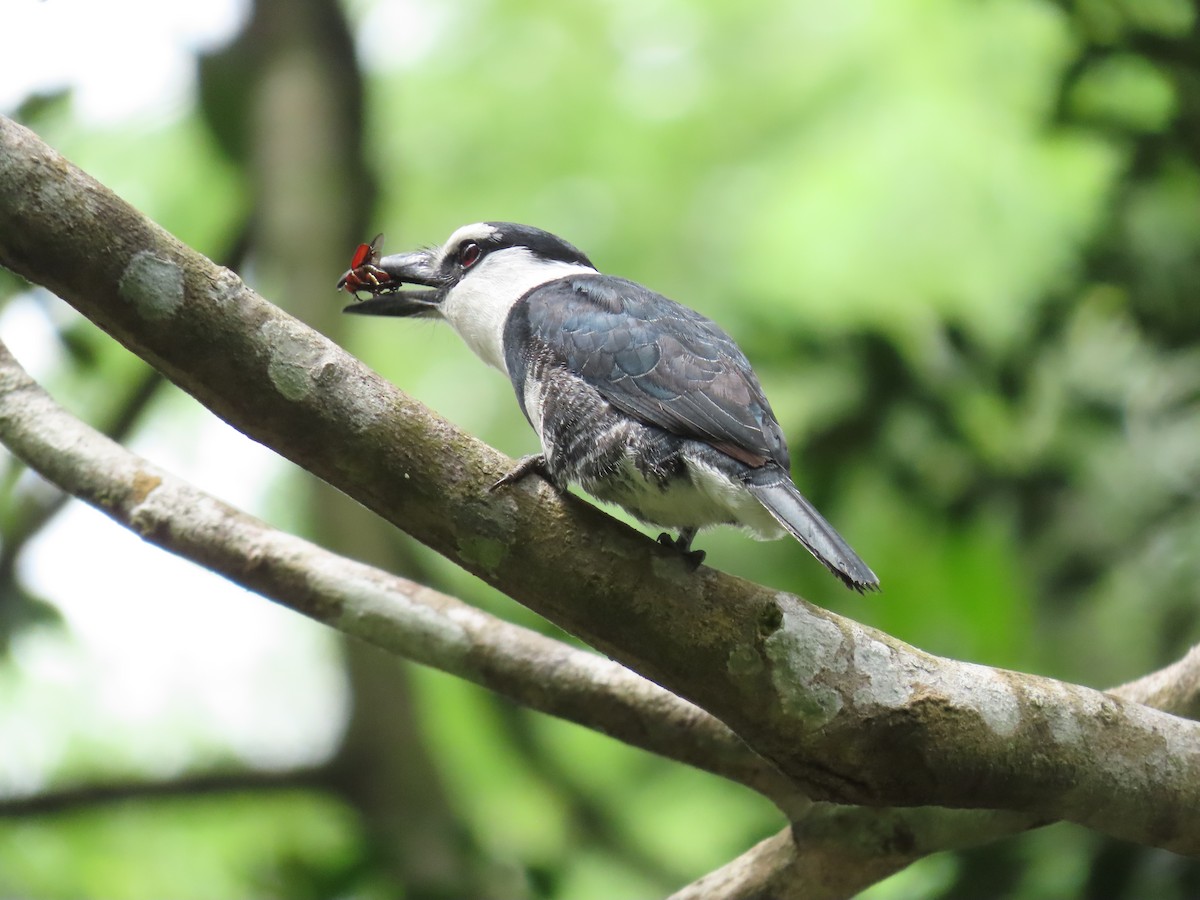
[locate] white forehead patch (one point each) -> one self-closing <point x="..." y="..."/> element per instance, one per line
<point x="478" y="231"/>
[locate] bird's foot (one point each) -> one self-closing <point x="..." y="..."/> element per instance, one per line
<point x="683" y="545"/>
<point x="526" y="465"/>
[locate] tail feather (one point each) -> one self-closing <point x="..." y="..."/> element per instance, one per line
<point x="784" y="501"/>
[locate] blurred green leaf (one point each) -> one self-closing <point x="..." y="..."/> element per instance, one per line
<point x="217" y="847"/>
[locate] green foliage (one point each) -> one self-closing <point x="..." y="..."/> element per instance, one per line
<point x="224" y="846"/>
<point x="961" y="244"/>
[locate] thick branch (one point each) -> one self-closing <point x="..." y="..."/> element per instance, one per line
<point x="832" y="852"/>
<point x="386" y="610"/>
<point x="849" y="712"/>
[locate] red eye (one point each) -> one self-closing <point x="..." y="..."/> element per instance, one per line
<point x="469" y="254"/>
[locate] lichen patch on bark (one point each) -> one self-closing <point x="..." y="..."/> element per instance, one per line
<point x="879" y="686"/>
<point x="807" y="655"/>
<point x="985" y="691"/>
<point x="143" y="484"/>
<point x="153" y="285"/>
<point x="297" y="358"/>
<point x="482" y="552"/>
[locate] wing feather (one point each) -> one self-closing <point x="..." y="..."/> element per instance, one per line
<point x="653" y="359"/>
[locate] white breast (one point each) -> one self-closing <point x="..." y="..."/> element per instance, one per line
<point x="478" y="306"/>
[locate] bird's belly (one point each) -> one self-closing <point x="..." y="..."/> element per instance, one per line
<point x="700" y="498"/>
<point x="661" y="478"/>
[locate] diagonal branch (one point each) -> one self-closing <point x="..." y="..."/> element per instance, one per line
<point x="398" y="615"/>
<point x="832" y="852"/>
<point x="70" y="798"/>
<point x="850" y="713"/>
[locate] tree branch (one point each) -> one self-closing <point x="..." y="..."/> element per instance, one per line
<point x="851" y="714"/>
<point x="832" y="852"/>
<point x="1175" y="689"/>
<point x="391" y="612"/>
<point x="71" y="798"/>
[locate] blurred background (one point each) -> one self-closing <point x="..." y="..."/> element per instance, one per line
<point x="959" y="240"/>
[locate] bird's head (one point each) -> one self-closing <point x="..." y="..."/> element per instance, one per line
<point x="471" y="281"/>
<point x="496" y="258"/>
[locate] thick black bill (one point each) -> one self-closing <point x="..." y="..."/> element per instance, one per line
<point x="401" y="303"/>
<point x="389" y="274"/>
<point x="417" y="267"/>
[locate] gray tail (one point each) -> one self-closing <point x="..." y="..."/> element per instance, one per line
<point x="783" y="500"/>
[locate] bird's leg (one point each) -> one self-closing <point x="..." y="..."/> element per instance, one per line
<point x="683" y="544"/>
<point x="526" y="465"/>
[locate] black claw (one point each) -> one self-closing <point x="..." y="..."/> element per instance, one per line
<point x="526" y="465"/>
<point x="683" y="545"/>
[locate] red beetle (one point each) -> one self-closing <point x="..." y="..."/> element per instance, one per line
<point x="364" y="273"/>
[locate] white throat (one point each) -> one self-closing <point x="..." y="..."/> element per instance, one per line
<point x="478" y="306"/>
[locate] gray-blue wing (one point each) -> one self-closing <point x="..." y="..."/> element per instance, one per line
<point x="651" y="358"/>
